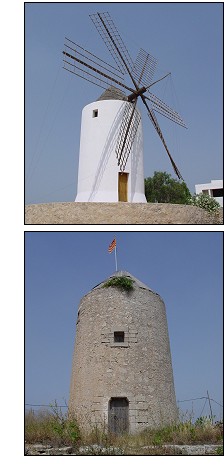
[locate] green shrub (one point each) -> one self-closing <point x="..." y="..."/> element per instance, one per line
<point x="204" y="421"/>
<point x="204" y="201"/>
<point x="121" y="282"/>
<point x="54" y="427"/>
<point x="219" y="451"/>
<point x="157" y="439"/>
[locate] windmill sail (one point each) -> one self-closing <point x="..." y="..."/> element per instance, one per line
<point x="92" y="58"/>
<point x="144" y="68"/>
<point x="154" y="121"/>
<point x="164" y="109"/>
<point x="83" y="63"/>
<point x="113" y="41"/>
<point x="128" y="129"/>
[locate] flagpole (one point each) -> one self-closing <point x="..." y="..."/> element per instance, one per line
<point x="115" y="252"/>
<point x="113" y="247"/>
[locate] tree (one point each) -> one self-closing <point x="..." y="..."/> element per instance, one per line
<point x="163" y="188"/>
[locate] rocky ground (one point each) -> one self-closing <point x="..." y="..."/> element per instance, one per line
<point x="76" y="213"/>
<point x="40" y="449"/>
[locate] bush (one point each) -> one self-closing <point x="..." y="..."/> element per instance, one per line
<point x="204" y="201"/>
<point x="219" y="451"/>
<point x="54" y="427"/>
<point x="121" y="282"/>
<point x="204" y="421"/>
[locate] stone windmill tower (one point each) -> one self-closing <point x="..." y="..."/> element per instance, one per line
<point x="122" y="372"/>
<point x="99" y="178"/>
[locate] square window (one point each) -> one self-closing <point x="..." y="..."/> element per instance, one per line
<point x="95" y="113"/>
<point x="217" y="193"/>
<point x="118" y="337"/>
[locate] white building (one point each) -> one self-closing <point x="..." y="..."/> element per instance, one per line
<point x="99" y="176"/>
<point x="213" y="188"/>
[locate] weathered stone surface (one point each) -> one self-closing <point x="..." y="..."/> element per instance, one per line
<point x="43" y="450"/>
<point x="39" y="449"/>
<point x="195" y="449"/>
<point x="119" y="213"/>
<point x="100" y="450"/>
<point x="191" y="449"/>
<point x="65" y="449"/>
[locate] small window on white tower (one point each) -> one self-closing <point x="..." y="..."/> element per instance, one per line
<point x="95" y="113"/>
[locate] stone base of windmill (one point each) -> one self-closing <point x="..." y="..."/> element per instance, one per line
<point x="77" y="213"/>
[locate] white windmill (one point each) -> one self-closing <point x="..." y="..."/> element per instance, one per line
<point x="111" y="142"/>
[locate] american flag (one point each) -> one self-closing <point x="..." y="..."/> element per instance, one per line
<point x="112" y="246"/>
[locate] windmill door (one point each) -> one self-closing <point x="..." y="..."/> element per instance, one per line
<point x="123" y="187"/>
<point x="118" y="415"/>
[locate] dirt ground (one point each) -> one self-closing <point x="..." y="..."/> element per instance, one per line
<point x="76" y="213"/>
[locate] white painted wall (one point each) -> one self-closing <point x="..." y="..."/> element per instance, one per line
<point x="98" y="169"/>
<point x="210" y="186"/>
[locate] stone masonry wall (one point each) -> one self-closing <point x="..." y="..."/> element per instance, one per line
<point x="139" y="369"/>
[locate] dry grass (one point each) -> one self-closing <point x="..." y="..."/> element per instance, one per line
<point x="180" y="434"/>
<point x="61" y="429"/>
<point x="51" y="427"/>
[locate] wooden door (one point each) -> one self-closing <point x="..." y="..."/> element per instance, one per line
<point x="118" y="415"/>
<point x="123" y="187"/>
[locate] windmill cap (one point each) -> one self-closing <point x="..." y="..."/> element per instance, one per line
<point x="125" y="274"/>
<point x="112" y="93"/>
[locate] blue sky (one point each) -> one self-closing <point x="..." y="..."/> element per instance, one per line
<point x="186" y="38"/>
<point x="185" y="268"/>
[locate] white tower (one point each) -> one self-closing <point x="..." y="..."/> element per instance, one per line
<point x="99" y="176"/>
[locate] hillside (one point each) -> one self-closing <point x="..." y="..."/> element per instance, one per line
<point x="76" y="213"/>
